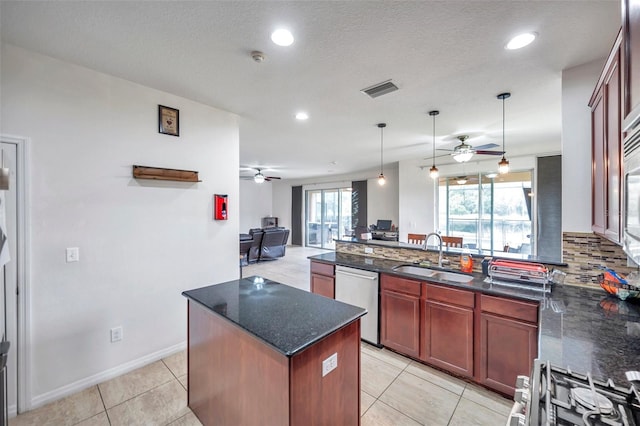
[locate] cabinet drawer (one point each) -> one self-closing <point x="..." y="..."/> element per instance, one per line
<point x="322" y="268"/>
<point x="400" y="285"/>
<point x="525" y="311"/>
<point x="452" y="296"/>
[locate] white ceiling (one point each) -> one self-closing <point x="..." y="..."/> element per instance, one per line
<point x="445" y="55"/>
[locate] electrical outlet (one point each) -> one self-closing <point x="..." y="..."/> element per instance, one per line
<point x="73" y="254"/>
<point x="116" y="334"/>
<point x="329" y="364"/>
<point x="368" y="250"/>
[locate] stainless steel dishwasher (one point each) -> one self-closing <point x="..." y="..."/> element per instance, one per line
<point x="360" y="288"/>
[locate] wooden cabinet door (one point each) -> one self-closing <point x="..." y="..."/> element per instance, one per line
<point x="400" y="322"/>
<point x="323" y="285"/>
<point x="507" y="349"/>
<point x="448" y="337"/>
<point x="598" y="176"/>
<point x="606" y="148"/>
<point x="613" y="149"/>
<point x="631" y="35"/>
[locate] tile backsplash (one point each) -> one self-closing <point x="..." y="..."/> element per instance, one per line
<point x="582" y="253"/>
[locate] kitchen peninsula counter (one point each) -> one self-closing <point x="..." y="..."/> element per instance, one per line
<point x="581" y="328"/>
<point x="258" y="351"/>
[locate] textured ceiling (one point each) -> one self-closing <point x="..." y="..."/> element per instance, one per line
<point x="448" y="56"/>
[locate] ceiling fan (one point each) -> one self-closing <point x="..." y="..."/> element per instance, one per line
<point x="259" y="177"/>
<point x="463" y="152"/>
<point x="463" y="180"/>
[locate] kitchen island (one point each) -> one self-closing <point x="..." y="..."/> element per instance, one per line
<point x="261" y="352"/>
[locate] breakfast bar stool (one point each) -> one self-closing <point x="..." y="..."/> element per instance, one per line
<point x="452" y="241"/>
<point x="416" y="238"/>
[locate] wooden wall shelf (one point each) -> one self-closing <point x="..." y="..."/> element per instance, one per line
<point x="158" y="173"/>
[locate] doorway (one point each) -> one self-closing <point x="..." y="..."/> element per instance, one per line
<point x="13" y="274"/>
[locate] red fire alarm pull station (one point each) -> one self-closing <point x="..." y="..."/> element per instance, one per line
<point x="220" y="206"/>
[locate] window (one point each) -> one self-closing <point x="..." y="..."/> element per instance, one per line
<point x="490" y="214"/>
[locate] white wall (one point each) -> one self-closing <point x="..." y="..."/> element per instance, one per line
<point x="255" y="203"/>
<point x="141" y="242"/>
<point x="382" y="201"/>
<point x="577" y="86"/>
<point x="282" y="204"/>
<point x="417" y="203"/>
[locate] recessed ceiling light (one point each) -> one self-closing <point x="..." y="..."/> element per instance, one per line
<point x="520" y="41"/>
<point x="302" y="116"/>
<point x="282" y="37"/>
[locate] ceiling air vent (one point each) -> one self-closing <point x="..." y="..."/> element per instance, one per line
<point x="380" y="89"/>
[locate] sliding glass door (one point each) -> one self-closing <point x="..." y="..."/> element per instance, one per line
<point x="328" y="216"/>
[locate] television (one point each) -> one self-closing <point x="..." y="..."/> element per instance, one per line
<point x="383" y="225"/>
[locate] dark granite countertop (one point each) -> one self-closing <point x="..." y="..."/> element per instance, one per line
<point x="584" y="329"/>
<point x="284" y="317"/>
<point x="475" y="253"/>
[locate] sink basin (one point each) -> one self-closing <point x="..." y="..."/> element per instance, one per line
<point x="431" y="273"/>
<point x="415" y="270"/>
<point x="453" y="276"/>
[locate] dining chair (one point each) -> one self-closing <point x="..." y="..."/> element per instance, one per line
<point x="416" y="238"/>
<point x="452" y="241"/>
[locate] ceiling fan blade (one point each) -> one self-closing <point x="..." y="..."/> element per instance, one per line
<point x="272" y="177"/>
<point x="482" y="152"/>
<point x="487" y="146"/>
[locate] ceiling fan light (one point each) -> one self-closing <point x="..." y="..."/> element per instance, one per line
<point x="503" y="166"/>
<point x="381" y="180"/>
<point x="462" y="156"/>
<point x="258" y="178"/>
<point x="433" y="172"/>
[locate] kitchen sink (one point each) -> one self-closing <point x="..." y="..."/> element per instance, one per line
<point x="415" y="270"/>
<point x="431" y="273"/>
<point x="453" y="276"/>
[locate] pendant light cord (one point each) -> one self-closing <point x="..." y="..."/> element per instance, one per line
<point x="503" y="151"/>
<point x="381" y="148"/>
<point x="381" y="126"/>
<point x="433" y="157"/>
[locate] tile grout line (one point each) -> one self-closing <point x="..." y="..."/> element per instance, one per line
<point x="103" y="404"/>
<point x="147" y="391"/>
<point x="453" y="413"/>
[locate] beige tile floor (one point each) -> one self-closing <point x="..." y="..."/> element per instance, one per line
<point x="394" y="390"/>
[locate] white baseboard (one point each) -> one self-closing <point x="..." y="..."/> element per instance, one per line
<point x="77" y="386"/>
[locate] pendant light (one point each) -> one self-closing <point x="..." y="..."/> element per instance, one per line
<point x="503" y="165"/>
<point x="381" y="179"/>
<point x="433" y="171"/>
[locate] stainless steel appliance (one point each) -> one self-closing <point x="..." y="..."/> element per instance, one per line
<point x="360" y="288"/>
<point x="555" y="396"/>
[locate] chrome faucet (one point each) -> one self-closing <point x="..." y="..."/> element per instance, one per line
<point x="424" y="246"/>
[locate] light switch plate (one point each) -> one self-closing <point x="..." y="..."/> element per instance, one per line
<point x="73" y="254"/>
<point x="329" y="364"/>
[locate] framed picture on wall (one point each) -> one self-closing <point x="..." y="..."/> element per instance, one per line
<point x="169" y="120"/>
